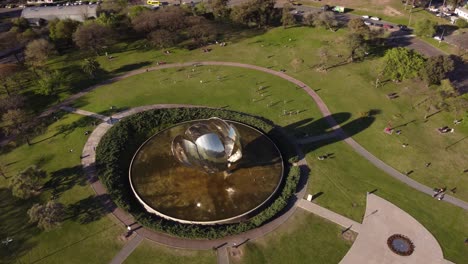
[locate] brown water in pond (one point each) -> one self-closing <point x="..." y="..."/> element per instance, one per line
<point x="189" y="194"/>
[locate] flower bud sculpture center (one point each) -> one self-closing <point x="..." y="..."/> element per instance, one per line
<point x="211" y="145"/>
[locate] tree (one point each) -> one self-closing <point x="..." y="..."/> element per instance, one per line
<point x="172" y="19"/>
<point x="27" y="183"/>
<point x="61" y="31"/>
<point x="425" y="27"/>
<point x="93" y="37"/>
<point x="19" y="24"/>
<point x="356" y="45"/>
<point x="356" y="25"/>
<point x="287" y="18"/>
<point x="163" y="38"/>
<point x="12" y="102"/>
<point x="201" y="30"/>
<point x="90" y="66"/>
<point x="219" y="8"/>
<point x="6" y="73"/>
<point x="135" y="11"/>
<point x="461" y="23"/>
<point x="16" y="122"/>
<point x="436" y="69"/>
<point x="258" y="13"/>
<point x="50" y="82"/>
<point x="309" y="20"/>
<point x="37" y="52"/>
<point x="325" y="19"/>
<point x="401" y="63"/>
<point x="48" y="216"/>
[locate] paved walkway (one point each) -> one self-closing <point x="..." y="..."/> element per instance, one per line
<point x="383" y="219"/>
<point x="127" y="250"/>
<point x="222" y="255"/>
<point x="330" y="215"/>
<point x="84" y="112"/>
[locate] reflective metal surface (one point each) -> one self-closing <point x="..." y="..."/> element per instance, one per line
<point x="211" y="145"/>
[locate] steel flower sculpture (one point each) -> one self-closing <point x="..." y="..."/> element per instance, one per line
<point x="211" y="145"/>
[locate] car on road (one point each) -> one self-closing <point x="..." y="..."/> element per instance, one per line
<point x="368" y="23"/>
<point x="387" y="26"/>
<point x="378" y="25"/>
<point x="375" y="18"/>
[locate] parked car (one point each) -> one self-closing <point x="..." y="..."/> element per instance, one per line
<point x="375" y="18"/>
<point x="368" y="23"/>
<point x="439" y="38"/>
<point x="378" y="25"/>
<point x="366" y="17"/>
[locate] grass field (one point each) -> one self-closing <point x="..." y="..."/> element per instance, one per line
<point x="235" y="89"/>
<point x="339" y="87"/>
<point x="86" y="227"/>
<point x="148" y="252"/>
<point x="304" y="238"/>
<point x="348" y="91"/>
<point x="344" y="180"/>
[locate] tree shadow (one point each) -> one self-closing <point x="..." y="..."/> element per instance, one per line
<point x="15" y="224"/>
<point x="347" y="130"/>
<point x="132" y="66"/>
<point x="90" y="209"/>
<point x="64" y="179"/>
<point x="69" y="128"/>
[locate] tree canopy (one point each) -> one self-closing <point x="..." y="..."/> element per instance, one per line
<point x="425" y="28"/>
<point x="62" y="30"/>
<point x="48" y="216"/>
<point x="401" y="63"/>
<point x="27" y="183"/>
<point x="93" y="37"/>
<point x="254" y="13"/>
<point x="436" y="69"/>
<point x="38" y="51"/>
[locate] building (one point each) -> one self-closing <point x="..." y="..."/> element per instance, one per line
<point x="78" y="12"/>
<point x="462" y="12"/>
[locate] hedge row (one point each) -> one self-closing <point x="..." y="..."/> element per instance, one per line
<point x="117" y="147"/>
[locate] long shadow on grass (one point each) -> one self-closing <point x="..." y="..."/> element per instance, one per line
<point x="64" y="179"/>
<point x="324" y="126"/>
<point x="15" y="224"/>
<point x="131" y="67"/>
<point x="90" y="209"/>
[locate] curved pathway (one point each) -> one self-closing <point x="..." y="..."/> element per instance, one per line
<point x="320" y="103"/>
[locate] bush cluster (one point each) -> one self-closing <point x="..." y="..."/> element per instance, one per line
<point x="118" y="146"/>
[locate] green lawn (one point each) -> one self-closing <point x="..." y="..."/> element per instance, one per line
<point x="304" y="238"/>
<point x="150" y="252"/>
<point x="86" y="227"/>
<point x="235" y="89"/>
<point x="345" y="179"/>
<point x="347" y="90"/>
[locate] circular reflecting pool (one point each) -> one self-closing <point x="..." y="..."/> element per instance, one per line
<point x="400" y="245"/>
<point x="169" y="189"/>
